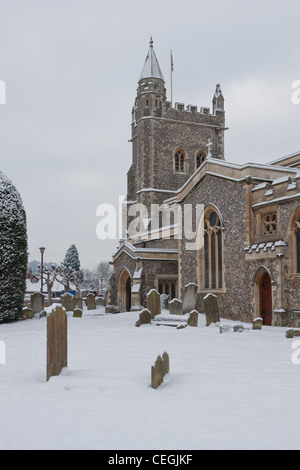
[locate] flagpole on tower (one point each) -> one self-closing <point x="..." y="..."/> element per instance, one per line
<point x="171" y="57"/>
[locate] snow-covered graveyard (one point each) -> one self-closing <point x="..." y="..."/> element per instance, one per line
<point x="235" y="390"/>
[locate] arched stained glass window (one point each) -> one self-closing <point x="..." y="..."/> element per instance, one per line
<point x="213" y="263"/>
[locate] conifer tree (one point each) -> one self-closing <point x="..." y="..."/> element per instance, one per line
<point x="13" y="251"/>
<point x="72" y="258"/>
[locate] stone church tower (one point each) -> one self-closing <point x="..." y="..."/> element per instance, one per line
<point x="250" y="255"/>
<point x="169" y="143"/>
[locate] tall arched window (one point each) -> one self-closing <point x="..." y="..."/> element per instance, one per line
<point x="213" y="256"/>
<point x="297" y="243"/>
<point x="200" y="157"/>
<point x="179" y="161"/>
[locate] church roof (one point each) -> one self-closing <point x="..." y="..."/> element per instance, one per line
<point x="151" y="67"/>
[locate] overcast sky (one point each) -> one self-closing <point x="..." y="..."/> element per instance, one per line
<point x="71" y="69"/>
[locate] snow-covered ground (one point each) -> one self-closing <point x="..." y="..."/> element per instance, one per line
<point x="224" y="391"/>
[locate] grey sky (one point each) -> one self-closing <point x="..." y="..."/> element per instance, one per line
<point x="71" y="70"/>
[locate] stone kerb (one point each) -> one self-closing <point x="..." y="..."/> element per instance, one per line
<point x="189" y="298"/>
<point x="153" y="302"/>
<point x="57" y="340"/>
<point x="211" y="309"/>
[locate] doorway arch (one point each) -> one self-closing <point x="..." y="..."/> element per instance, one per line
<point x="124" y="291"/>
<point x="264" y="296"/>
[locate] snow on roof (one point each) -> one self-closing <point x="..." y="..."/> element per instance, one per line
<point x="151" y="67"/>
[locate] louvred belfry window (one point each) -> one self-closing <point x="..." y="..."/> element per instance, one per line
<point x="213" y="264"/>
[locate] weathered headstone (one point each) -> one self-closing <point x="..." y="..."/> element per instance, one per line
<point x="77" y="313"/>
<point x="27" y="313"/>
<point x="100" y="301"/>
<point x="290" y="334"/>
<point x="189" y="298"/>
<point x="144" y="317"/>
<point x="159" y="370"/>
<point x="78" y="302"/>
<point x="90" y="302"/>
<point x="257" y="324"/>
<point x="153" y="302"/>
<point x="57" y="340"/>
<point x="211" y="309"/>
<point x="193" y="318"/>
<point x="175" y="307"/>
<point x="37" y="302"/>
<point x="68" y="302"/>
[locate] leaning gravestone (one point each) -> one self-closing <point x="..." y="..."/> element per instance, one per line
<point x="90" y="302"/>
<point x="159" y="370"/>
<point x="175" y="307"/>
<point x="57" y="340"/>
<point x="144" y="317"/>
<point x="153" y="302"/>
<point x="37" y="302"/>
<point x="68" y="302"/>
<point x="211" y="309"/>
<point x="189" y="298"/>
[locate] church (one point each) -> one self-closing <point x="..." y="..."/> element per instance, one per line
<point x="245" y="219"/>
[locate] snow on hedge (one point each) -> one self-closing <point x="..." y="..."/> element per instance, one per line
<point x="13" y="251"/>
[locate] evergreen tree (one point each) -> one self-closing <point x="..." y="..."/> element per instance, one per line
<point x="72" y="258"/>
<point x="13" y="251"/>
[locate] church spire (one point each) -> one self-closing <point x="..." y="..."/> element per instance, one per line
<point x="151" y="67"/>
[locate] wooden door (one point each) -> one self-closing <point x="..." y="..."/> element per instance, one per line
<point x="266" y="299"/>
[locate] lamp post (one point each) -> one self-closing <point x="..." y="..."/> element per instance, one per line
<point x="42" y="250"/>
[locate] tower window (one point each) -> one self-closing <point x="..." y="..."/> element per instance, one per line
<point x="200" y="157"/>
<point x="297" y="242"/>
<point x="179" y="162"/>
<point x="269" y="223"/>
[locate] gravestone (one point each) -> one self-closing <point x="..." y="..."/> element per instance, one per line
<point x="37" y="302"/>
<point x="193" y="318"/>
<point x="78" y="303"/>
<point x="159" y="370"/>
<point x="257" y="324"/>
<point x="68" y="302"/>
<point x="27" y="313"/>
<point x="77" y="313"/>
<point x="153" y="302"/>
<point x="144" y="317"/>
<point x="211" y="309"/>
<point x="189" y="298"/>
<point x="100" y="301"/>
<point x="112" y="309"/>
<point x="57" y="340"/>
<point x="175" y="307"/>
<point x="90" y="302"/>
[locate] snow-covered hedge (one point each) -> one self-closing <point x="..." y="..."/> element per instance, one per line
<point x="13" y="251"/>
